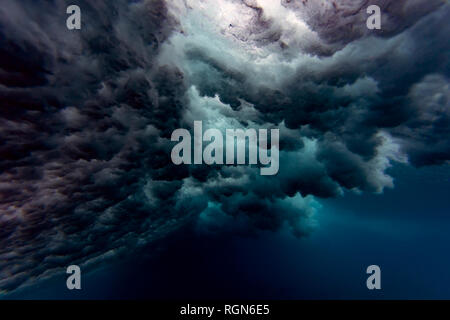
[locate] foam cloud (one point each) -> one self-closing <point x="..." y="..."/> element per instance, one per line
<point x="86" y="117"/>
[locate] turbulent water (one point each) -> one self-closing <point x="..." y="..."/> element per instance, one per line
<point x="86" y="117"/>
